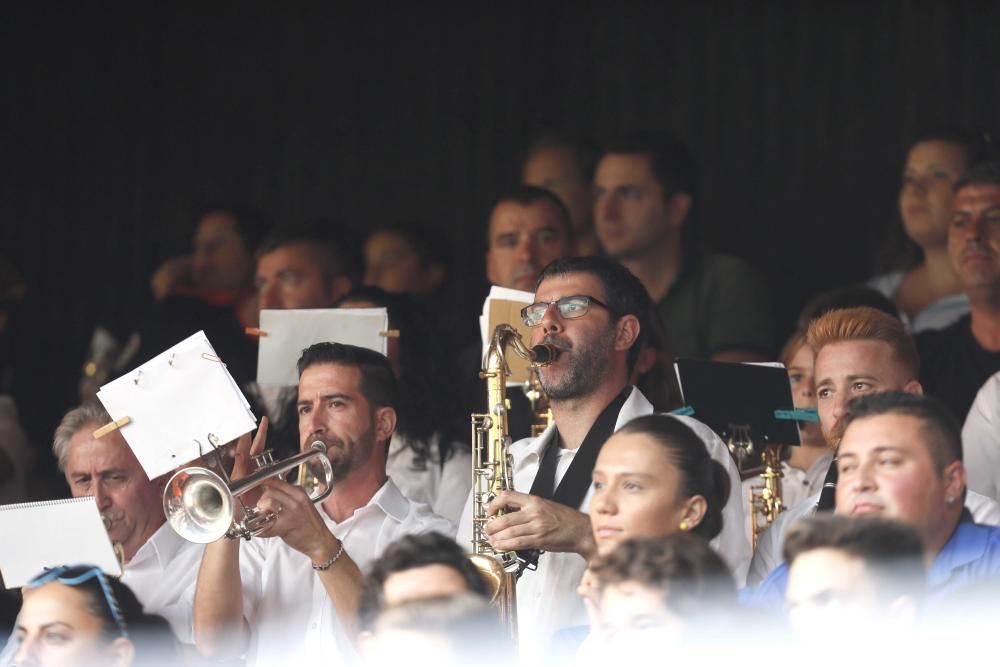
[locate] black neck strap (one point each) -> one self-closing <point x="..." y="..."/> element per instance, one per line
<point x="576" y="482"/>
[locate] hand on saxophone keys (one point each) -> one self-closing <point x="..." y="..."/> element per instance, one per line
<point x="536" y="523"/>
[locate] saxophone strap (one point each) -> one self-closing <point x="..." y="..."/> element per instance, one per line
<point x="576" y="482"/>
<point x="828" y="494"/>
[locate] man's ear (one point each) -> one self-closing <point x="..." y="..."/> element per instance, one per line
<point x="678" y="209"/>
<point x="954" y="481"/>
<point x="913" y="387"/>
<point x="491" y="269"/>
<point x="384" y="423"/>
<point x="626" y="332"/>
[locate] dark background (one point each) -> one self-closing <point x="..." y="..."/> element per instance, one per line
<point x="119" y="122"/>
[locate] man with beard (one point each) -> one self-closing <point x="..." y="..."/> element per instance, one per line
<point x="290" y="596"/>
<point x="593" y="311"/>
<point x="859" y="351"/>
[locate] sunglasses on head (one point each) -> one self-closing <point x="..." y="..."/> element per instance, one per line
<point x="74" y="575"/>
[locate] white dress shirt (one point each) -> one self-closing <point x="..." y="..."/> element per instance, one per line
<point x="443" y="488"/>
<point x="981" y="440"/>
<point x="546" y="597"/>
<point x="162" y="574"/>
<point x="292" y="619"/>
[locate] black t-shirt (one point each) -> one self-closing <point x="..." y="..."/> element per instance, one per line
<point x="953" y="366"/>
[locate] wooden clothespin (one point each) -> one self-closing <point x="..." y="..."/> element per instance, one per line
<point x="391" y="333"/>
<point x="113" y="426"/>
<point x="255" y="332"/>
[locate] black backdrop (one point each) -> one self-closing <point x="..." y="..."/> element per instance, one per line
<point x="118" y="122"/>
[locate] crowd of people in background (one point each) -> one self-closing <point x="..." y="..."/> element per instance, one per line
<point x="633" y="519"/>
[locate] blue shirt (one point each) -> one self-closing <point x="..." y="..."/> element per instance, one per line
<point x="972" y="553"/>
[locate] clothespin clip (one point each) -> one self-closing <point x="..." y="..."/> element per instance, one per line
<point x="113" y="426"/>
<point x="255" y="332"/>
<point x="391" y="333"/>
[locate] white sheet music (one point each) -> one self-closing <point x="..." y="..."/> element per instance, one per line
<point x="177" y="402"/>
<point x="288" y="332"/>
<point x="52" y="533"/>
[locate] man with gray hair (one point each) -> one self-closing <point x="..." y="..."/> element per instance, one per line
<point x="159" y="565"/>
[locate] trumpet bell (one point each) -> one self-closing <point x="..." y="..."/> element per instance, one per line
<point x="198" y="504"/>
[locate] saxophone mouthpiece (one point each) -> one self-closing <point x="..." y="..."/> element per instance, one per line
<point x="544" y="354"/>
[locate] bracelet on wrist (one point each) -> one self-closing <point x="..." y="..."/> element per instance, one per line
<point x="326" y="565"/>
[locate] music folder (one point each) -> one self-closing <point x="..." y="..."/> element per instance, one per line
<point x="52" y="533"/>
<point x="734" y="399"/>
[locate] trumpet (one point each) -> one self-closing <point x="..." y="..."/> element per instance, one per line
<point x="201" y="504"/>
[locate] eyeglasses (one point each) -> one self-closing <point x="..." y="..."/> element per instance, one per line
<point x="74" y="575"/>
<point x="570" y="308"/>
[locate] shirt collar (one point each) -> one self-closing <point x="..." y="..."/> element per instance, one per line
<point x="966" y="545"/>
<point x="389" y="499"/>
<point x="162" y="545"/>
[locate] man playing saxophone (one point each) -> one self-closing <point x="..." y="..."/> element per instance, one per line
<point x="591" y="310"/>
<point x="290" y="596"/>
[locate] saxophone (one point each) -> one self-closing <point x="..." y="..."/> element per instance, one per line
<point x="492" y="469"/>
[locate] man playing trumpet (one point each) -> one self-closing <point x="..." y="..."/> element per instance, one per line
<point x="293" y="592"/>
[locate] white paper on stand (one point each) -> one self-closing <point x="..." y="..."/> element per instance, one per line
<point x="288" y="332"/>
<point x="52" y="533"/>
<point x="178" y="403"/>
<point x="503" y="305"/>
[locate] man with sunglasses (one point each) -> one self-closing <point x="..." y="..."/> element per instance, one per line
<point x="593" y="311"/>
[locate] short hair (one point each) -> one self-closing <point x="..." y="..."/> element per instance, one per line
<point x="327" y="252"/>
<point x="584" y="154"/>
<point x="623" y="292"/>
<point x="413" y="551"/>
<point x="250" y="225"/>
<point x="526" y="195"/>
<point x="701" y="475"/>
<point x="864" y="323"/>
<point x="426" y="243"/>
<point x="378" y="381"/>
<point x="671" y="161"/>
<point x="891" y="551"/>
<point x="688" y="571"/>
<point x="88" y="413"/>
<point x="940" y="430"/>
<point x="984" y="173"/>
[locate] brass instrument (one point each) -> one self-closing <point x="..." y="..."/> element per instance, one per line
<point x="492" y="468"/>
<point x="766" y="501"/>
<point x="200" y="504"/>
<point x="118" y="547"/>
<point x="541" y="412"/>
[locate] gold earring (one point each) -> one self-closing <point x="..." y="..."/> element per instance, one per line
<point x="685" y="526"/>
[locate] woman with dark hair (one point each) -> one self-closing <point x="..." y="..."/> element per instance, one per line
<point x="425" y="460"/>
<point x="654" y="477"/>
<point x="77" y="615"/>
<point x="921" y="281"/>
